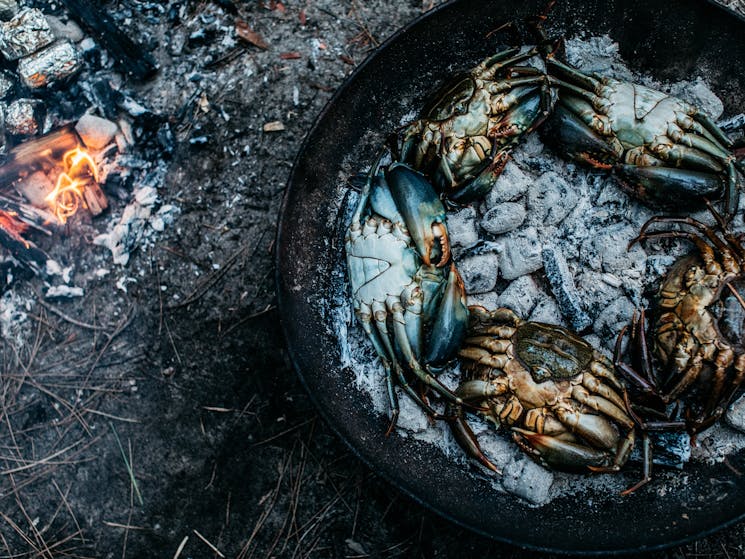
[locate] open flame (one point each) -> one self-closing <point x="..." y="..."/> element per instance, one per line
<point x="79" y="170"/>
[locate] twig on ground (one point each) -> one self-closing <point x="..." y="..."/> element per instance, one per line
<point x="127" y="464"/>
<point x="208" y="544"/>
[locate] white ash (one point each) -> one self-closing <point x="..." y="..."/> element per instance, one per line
<point x="54" y="268"/>
<point x="63" y="292"/>
<point x="132" y="229"/>
<point x="587" y="219"/>
<point x="521" y="295"/>
<point x="14" y="309"/>
<point x="489" y="301"/>
<point x="35" y="188"/>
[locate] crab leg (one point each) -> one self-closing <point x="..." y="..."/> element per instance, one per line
<point x="708" y="124"/>
<point x="488" y="69"/>
<point x="646" y="466"/>
<point x="365" y="194"/>
<point x="577" y="78"/>
<point x="557" y="453"/>
<point x="466" y="438"/>
<point x="382" y="352"/>
<point x="402" y="341"/>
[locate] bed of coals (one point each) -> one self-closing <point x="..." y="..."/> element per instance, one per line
<point x="549" y="241"/>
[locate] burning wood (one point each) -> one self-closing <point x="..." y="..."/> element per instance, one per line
<point x="11" y="237"/>
<point x="76" y="185"/>
<point x="79" y="173"/>
<point x="38" y="154"/>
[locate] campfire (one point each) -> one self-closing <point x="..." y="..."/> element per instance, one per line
<point x="54" y="177"/>
<point x="60" y="154"/>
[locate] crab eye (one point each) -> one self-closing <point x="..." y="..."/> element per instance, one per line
<point x="452" y="100"/>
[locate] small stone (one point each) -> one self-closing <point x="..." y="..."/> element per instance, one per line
<point x="503" y="218"/>
<point x="616" y="256"/>
<point x="24" y="117"/>
<point x="563" y="288"/>
<point x="527" y="479"/>
<point x="8" y="9"/>
<point x="521" y="254"/>
<point x="463" y="228"/>
<point x="479" y="272"/>
<point x="521" y="296"/>
<point x="597" y="293"/>
<point x="35" y="188"/>
<point x="735" y="416"/>
<point x="25" y="34"/>
<point x="614" y="317"/>
<point x="547" y="310"/>
<point x="490" y="300"/>
<point x="50" y="66"/>
<point x="550" y="199"/>
<point x="274" y="126"/>
<point x="65" y="30"/>
<point x="96" y="132"/>
<point x="509" y="186"/>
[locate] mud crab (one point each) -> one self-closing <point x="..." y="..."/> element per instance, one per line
<point x="464" y="136"/>
<point x="698" y="328"/>
<point x="662" y="149"/>
<point x="406" y="292"/>
<point x="559" y="395"/>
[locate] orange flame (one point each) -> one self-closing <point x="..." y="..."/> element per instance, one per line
<point x="67" y="196"/>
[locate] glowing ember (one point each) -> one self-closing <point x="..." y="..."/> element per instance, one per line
<point x="10" y="223"/>
<point x="79" y="171"/>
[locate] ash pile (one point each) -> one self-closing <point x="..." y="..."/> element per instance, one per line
<point x="75" y="144"/>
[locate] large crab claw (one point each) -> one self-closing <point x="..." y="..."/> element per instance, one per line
<point x="451" y="321"/>
<point x="422" y="212"/>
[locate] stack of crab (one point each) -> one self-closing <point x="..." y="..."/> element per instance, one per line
<point x="568" y="406"/>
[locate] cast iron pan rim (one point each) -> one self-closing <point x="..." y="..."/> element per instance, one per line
<point x="348" y="442"/>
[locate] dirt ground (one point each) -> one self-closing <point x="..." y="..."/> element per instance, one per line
<point x="165" y="421"/>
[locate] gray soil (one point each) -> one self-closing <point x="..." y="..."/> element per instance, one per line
<point x="165" y="420"/>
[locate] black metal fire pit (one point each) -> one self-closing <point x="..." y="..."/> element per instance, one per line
<point x="670" y="41"/>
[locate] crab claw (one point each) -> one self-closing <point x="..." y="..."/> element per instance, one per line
<point x="422" y="211"/>
<point x="558" y="454"/>
<point x="569" y="135"/>
<point x="449" y="326"/>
